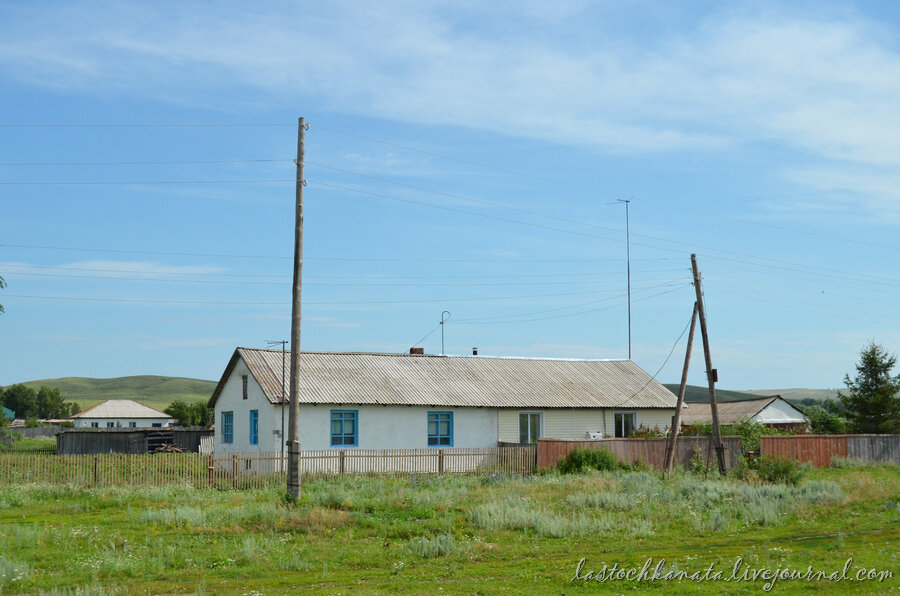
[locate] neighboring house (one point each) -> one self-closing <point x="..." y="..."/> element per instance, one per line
<point x="121" y="413"/>
<point x="400" y="401"/>
<point x="771" y="411"/>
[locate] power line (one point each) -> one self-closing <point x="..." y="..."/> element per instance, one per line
<point x="150" y="125"/>
<point x="143" y="163"/>
<point x="282" y="303"/>
<point x="140" y="182"/>
<point x="324" y="284"/>
<point x="608" y="193"/>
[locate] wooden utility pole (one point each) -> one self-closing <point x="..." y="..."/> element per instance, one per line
<point x="711" y="375"/>
<point x="676" y="419"/>
<point x="293" y="442"/>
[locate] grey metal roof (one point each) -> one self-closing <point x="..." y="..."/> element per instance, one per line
<point x="476" y="381"/>
<point x="121" y="408"/>
<point x="729" y="411"/>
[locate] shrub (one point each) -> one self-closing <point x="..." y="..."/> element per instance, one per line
<point x="779" y="470"/>
<point x="645" y="432"/>
<point x="583" y="460"/>
<point x="428" y="548"/>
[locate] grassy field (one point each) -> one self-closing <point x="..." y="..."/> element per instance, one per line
<point x="153" y="391"/>
<point x="431" y="535"/>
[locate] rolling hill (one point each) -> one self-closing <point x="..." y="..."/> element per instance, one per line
<point x="153" y="391"/>
<point x="695" y="393"/>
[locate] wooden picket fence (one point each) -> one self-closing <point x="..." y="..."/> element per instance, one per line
<point x="251" y="470"/>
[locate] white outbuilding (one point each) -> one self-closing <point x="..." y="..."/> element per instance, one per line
<point x="121" y="413"/>
<point x="772" y="411"/>
<point x="410" y="401"/>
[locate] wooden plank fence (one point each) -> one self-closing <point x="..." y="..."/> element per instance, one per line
<point x="651" y="451"/>
<point x="251" y="470"/>
<point x="820" y="449"/>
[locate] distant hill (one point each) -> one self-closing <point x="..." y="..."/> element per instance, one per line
<point x="800" y="394"/>
<point x="154" y="391"/>
<point x="694" y="393"/>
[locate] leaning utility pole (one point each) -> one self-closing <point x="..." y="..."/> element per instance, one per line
<point x="676" y="419"/>
<point x="711" y="375"/>
<point x="293" y="442"/>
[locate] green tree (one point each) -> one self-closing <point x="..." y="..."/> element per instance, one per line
<point x="2" y="285"/>
<point x="188" y="414"/>
<point x="20" y="399"/>
<point x="872" y="404"/>
<point x="823" y="422"/>
<point x="51" y="404"/>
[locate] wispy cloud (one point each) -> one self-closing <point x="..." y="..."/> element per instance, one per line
<point x="822" y="85"/>
<point x="110" y="269"/>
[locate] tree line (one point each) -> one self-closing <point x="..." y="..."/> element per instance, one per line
<point x="46" y="402"/>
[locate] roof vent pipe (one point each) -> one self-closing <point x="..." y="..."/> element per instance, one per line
<point x="475" y="351"/>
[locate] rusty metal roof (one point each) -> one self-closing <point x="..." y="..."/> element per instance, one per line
<point x="474" y="381"/>
<point x="730" y="412"/>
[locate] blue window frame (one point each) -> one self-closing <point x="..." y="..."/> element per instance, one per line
<point x="344" y="428"/>
<point x="440" y="429"/>
<point x="228" y="427"/>
<point x="254" y="427"/>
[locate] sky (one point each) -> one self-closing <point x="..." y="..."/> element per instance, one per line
<point x="466" y="157"/>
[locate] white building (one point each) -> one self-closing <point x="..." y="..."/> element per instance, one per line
<point x="121" y="413"/>
<point x="771" y="411"/>
<point x="401" y="401"/>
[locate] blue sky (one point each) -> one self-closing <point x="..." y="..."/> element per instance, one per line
<point x="460" y="157"/>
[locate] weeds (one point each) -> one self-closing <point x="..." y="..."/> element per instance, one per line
<point x="427" y="548"/>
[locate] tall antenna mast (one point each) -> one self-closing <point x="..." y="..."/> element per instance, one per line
<point x="628" y="266"/>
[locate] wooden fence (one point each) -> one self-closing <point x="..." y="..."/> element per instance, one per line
<point x="650" y="451"/>
<point x="248" y="470"/>
<point x="819" y="449"/>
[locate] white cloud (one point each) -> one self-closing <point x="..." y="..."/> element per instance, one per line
<point x="110" y="269"/>
<point x="821" y="85"/>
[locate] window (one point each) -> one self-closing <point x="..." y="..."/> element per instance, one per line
<point x="244" y="386"/>
<point x="343" y="428"/>
<point x="254" y="427"/>
<point x="440" y="429"/>
<point x="132" y="425"/>
<point x="110" y="425"/>
<point x="228" y="427"/>
<point x="156" y="425"/>
<point x="95" y="425"/>
<point x="625" y="423"/>
<point x="529" y="426"/>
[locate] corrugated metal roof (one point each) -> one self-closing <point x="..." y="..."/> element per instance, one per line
<point x="729" y="411"/>
<point x="476" y="381"/>
<point x="121" y="408"/>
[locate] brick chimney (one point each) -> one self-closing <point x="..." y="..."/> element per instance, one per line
<point x="417" y="351"/>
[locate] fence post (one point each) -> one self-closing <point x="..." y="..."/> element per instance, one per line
<point x="341" y="462"/>
<point x="440" y="461"/>
<point x="96" y="457"/>
<point x="211" y="470"/>
<point x="234" y="470"/>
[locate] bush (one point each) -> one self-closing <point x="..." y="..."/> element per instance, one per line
<point x="779" y="470"/>
<point x="584" y="460"/>
<point x="645" y="432"/>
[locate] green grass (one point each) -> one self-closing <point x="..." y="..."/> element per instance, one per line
<point x="35" y="445"/>
<point x="427" y="535"/>
<point x="153" y="391"/>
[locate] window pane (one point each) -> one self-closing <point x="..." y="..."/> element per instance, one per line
<point x="432" y="428"/>
<point x="349" y="426"/>
<point x="335" y="427"/>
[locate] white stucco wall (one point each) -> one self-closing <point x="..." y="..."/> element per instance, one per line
<point x="780" y="412"/>
<point x="380" y="427"/>
<point x="120" y="422"/>
<point x="576" y="423"/>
